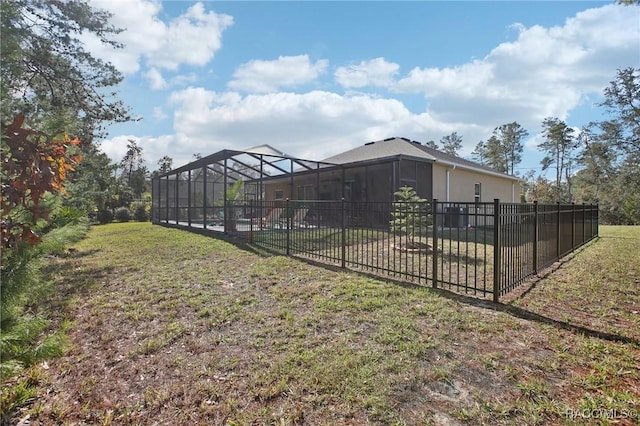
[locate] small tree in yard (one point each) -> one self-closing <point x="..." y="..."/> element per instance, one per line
<point x="33" y="165"/>
<point x="33" y="174"/>
<point x="140" y="211"/>
<point x="410" y="215"/>
<point x="234" y="193"/>
<point x="123" y="214"/>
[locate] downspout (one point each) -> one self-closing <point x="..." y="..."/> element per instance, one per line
<point x="291" y="181"/>
<point x="226" y="210"/>
<point x="448" y="183"/>
<point x="394" y="184"/>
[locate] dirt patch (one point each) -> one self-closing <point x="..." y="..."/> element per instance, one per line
<point x="171" y="328"/>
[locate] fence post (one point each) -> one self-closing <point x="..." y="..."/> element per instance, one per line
<point x="251" y="217"/>
<point x="189" y="199"/>
<point x="584" y="224"/>
<point x="573" y="226"/>
<point x="558" y="232"/>
<point x="434" y="243"/>
<point x="535" y="236"/>
<point x="496" y="250"/>
<point x="288" y="213"/>
<point x="168" y="202"/>
<point x="343" y="235"/>
<point x="204" y="198"/>
<point x="177" y="200"/>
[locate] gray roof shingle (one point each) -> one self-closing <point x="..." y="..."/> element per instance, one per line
<point x="380" y="149"/>
<point x="391" y="147"/>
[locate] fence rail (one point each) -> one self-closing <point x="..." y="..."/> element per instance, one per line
<point x="484" y="249"/>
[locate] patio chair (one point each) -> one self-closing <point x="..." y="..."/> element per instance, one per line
<point x="273" y="218"/>
<point x="299" y="217"/>
<point x="218" y="218"/>
<point x="294" y="218"/>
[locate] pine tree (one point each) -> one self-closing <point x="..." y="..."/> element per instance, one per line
<point x="559" y="146"/>
<point x="451" y="144"/>
<point x="503" y="150"/>
<point x="410" y="215"/>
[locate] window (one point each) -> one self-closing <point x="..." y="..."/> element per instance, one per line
<point x="279" y="194"/>
<point x="478" y="192"/>
<point x="305" y="192"/>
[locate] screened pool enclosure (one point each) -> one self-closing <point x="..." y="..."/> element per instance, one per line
<point x="207" y="193"/>
<point x="347" y="215"/>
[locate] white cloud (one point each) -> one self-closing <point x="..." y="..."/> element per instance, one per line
<point x="311" y="125"/>
<point x="260" y="76"/>
<point x="191" y="38"/>
<point x="156" y="81"/>
<point x="159" y="114"/>
<point x="116" y="147"/>
<point x="376" y="72"/>
<point x="184" y="79"/>
<point x="544" y="72"/>
<point x="469" y="80"/>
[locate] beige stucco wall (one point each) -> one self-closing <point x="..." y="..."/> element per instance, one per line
<point x="462" y="185"/>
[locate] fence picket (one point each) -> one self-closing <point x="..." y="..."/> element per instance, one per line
<point x="482" y="248"/>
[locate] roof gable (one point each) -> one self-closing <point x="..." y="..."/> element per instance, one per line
<point x="266" y="149"/>
<point x="397" y="146"/>
<point x="380" y="149"/>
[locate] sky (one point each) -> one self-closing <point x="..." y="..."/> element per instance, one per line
<point x="313" y="79"/>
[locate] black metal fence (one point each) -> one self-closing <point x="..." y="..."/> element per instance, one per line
<point x="485" y="249"/>
<point x="531" y="237"/>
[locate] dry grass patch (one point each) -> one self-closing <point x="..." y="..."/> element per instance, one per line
<point x="177" y="328"/>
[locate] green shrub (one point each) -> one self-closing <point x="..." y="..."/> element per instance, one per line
<point x="140" y="211"/>
<point x="25" y="336"/>
<point x="66" y="215"/>
<point x="61" y="217"/>
<point x="411" y="214"/>
<point x="18" y="274"/>
<point x="56" y="241"/>
<point x="105" y="216"/>
<point x="123" y="214"/>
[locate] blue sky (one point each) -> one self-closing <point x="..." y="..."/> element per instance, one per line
<point x="316" y="78"/>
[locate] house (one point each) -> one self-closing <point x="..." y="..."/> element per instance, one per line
<point x="375" y="170"/>
<point x="197" y="192"/>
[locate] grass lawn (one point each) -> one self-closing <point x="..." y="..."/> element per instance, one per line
<point x="464" y="258"/>
<point x="170" y="327"/>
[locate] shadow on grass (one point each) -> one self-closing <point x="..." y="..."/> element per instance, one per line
<point x="77" y="282"/>
<point x="578" y="329"/>
<point x="477" y="302"/>
<point x="532" y="316"/>
<point x="545" y="271"/>
<point x="469" y="300"/>
<point x="463" y="235"/>
<point x="513" y="311"/>
<point x="458" y="297"/>
<point x="462" y="259"/>
<point x="72" y="255"/>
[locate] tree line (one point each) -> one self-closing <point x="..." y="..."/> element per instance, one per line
<point x="57" y="100"/>
<point x="596" y="164"/>
<point x="60" y="89"/>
